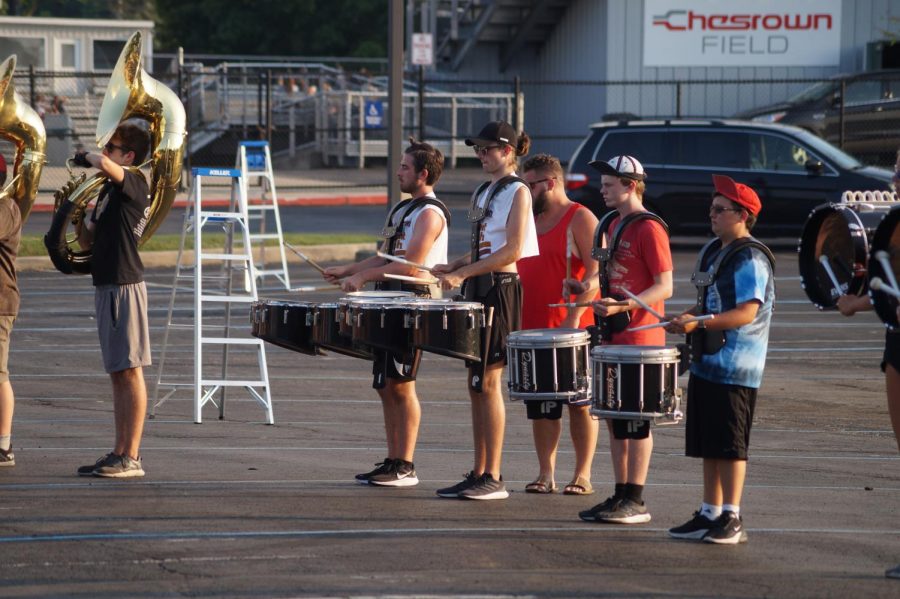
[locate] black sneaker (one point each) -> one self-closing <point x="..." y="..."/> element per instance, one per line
<point x="626" y="511"/>
<point x="121" y="466"/>
<point x="400" y="474"/>
<point x="591" y="514"/>
<point x="694" y="529"/>
<point x="893" y="572"/>
<point x="728" y="529"/>
<point x="454" y="491"/>
<point x="380" y="468"/>
<point x="7" y="457"/>
<point x="89" y="470"/>
<point x="486" y="487"/>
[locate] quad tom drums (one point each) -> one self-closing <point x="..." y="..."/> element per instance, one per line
<point x="451" y="329"/>
<point x="549" y="364"/>
<point x="286" y="324"/>
<point x="636" y="382"/>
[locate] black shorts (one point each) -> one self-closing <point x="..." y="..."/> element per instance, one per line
<point x="402" y="367"/>
<point x="630" y="429"/>
<point x="505" y="296"/>
<point x="550" y="409"/>
<point x="719" y="418"/>
<point x="891" y="351"/>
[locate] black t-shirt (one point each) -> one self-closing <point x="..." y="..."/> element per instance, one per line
<point x="10" y="232"/>
<point x="120" y="215"/>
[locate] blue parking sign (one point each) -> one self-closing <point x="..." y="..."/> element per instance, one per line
<point x="374" y="114"/>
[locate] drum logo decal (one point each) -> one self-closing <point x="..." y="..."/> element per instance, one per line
<point x="525" y="370"/>
<point x="611" y="373"/>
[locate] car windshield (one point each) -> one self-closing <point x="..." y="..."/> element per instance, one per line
<point x="826" y="150"/>
<point x="816" y="92"/>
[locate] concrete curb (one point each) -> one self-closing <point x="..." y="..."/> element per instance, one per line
<point x="337" y="252"/>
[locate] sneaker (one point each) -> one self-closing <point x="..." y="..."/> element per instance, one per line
<point x="694" y="529"/>
<point x="380" y="468"/>
<point x="893" y="572"/>
<point x="728" y="529"/>
<point x="454" y="491"/>
<point x="627" y="511"/>
<point x="400" y="474"/>
<point x="7" y="457"/>
<point x="89" y="470"/>
<point x="486" y="487"/>
<point x="121" y="466"/>
<point x="591" y="514"/>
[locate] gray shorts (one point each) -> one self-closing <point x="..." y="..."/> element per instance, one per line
<point x="6" y="325"/>
<point x="122" y="326"/>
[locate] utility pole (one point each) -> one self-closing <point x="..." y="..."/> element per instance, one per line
<point x="395" y="97"/>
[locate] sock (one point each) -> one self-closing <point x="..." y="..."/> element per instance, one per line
<point x="710" y="511"/>
<point x="732" y="508"/>
<point x="620" y="491"/>
<point x="634" y="492"/>
<point x="5" y="441"/>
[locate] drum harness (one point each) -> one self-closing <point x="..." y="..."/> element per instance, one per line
<point x="392" y="234"/>
<point x="702" y="341"/>
<point x="617" y="323"/>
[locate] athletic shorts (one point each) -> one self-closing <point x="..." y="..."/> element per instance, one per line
<point x="630" y="429"/>
<point x="891" y="351"/>
<point x="550" y="409"/>
<point x="399" y="367"/>
<point x="719" y="418"/>
<point x="6" y="325"/>
<point x="505" y="296"/>
<point x="122" y="326"/>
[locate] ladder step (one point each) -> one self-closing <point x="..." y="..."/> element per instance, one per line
<point x="175" y="385"/>
<point x="264" y="236"/>
<point x="231" y="341"/>
<point x="225" y="383"/>
<point x="218" y="215"/>
<point x="227" y="298"/>
<point x="205" y="256"/>
<point x="260" y="207"/>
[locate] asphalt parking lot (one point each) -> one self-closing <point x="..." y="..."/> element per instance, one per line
<point x="235" y="507"/>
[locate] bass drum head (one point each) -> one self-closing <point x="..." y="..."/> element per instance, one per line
<point x="839" y="233"/>
<point x="886" y="239"/>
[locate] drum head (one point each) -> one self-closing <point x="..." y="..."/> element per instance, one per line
<point x="369" y="294"/>
<point x="547" y="338"/>
<point x="840" y="234"/>
<point x="635" y="354"/>
<point x="886" y="239"/>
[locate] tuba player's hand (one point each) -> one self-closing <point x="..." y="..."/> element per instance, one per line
<point x="80" y="159"/>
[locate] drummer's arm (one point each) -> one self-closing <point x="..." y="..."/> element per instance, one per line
<point x="851" y="304"/>
<point x="736" y="317"/>
<point x="583" y="224"/>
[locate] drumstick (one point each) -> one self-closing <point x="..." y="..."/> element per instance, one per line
<point x="304" y="256"/>
<point x="309" y="288"/>
<point x="885" y="262"/>
<point x="662" y="324"/>
<point x="643" y="305"/>
<point x="403" y="261"/>
<point x="431" y="281"/>
<point x="823" y="260"/>
<point x="584" y="304"/>
<point x="878" y="285"/>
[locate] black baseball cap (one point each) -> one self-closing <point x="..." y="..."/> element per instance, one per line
<point x="495" y="132"/>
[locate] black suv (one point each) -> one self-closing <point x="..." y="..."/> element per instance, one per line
<point x="791" y="169"/>
<point x="871" y="107"/>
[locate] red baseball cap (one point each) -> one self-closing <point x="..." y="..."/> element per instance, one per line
<point x="737" y="193"/>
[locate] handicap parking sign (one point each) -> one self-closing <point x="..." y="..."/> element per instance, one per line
<point x="374" y="114"/>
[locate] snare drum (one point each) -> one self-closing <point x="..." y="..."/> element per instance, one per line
<point x="286" y="324"/>
<point x="326" y="332"/>
<point x="636" y="382"/>
<point x="450" y="329"/>
<point x="547" y="364"/>
<point x="382" y="324"/>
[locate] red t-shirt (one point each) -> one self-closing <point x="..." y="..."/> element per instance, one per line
<point x="542" y="278"/>
<point x="643" y="253"/>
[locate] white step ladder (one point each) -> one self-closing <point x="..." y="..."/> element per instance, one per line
<point x="209" y="297"/>
<point x="255" y="162"/>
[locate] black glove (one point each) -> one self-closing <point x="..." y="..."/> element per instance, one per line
<point x="80" y="159"/>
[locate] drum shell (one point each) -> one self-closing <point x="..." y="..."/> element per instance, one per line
<point x="635" y="383"/>
<point x="453" y="330"/>
<point x="345" y="325"/>
<point x="886" y="239"/>
<point x="549" y="364"/>
<point x="382" y="325"/>
<point x="326" y="333"/>
<point x="285" y="324"/>
<point x="842" y="232"/>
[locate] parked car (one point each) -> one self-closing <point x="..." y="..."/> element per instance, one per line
<point x="792" y="170"/>
<point x="871" y="106"/>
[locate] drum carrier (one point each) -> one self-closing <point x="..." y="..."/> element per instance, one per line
<point x="391" y="234"/>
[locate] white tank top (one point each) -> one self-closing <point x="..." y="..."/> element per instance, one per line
<point x="438" y="252"/>
<point x="493" y="230"/>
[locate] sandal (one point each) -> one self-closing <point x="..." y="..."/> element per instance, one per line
<point x="579" y="486"/>
<point x="541" y="486"/>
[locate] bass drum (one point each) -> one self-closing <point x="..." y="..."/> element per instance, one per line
<point x="887" y="240"/>
<point x="840" y="233"/>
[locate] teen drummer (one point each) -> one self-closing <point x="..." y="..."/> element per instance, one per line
<point x="417" y="231"/>
<point x="503" y="232"/>
<point x="735" y="275"/>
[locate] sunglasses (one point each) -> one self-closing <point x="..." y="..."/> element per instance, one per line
<point x="721" y="209"/>
<point x="534" y="184"/>
<point x="110" y="146"/>
<point x="483" y="149"/>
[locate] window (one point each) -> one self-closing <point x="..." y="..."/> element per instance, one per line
<point x="859" y="92"/>
<point x="771" y="153"/>
<point x="67" y="59"/>
<point x="28" y="50"/>
<point x="106" y="53"/>
<point x="711" y="149"/>
<point x="646" y="146"/>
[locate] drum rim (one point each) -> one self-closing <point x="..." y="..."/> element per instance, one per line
<point x="656" y="352"/>
<point x="560" y="338"/>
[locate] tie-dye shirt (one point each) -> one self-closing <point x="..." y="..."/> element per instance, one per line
<point x="746" y="276"/>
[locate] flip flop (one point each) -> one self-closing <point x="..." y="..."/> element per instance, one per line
<point x="579" y="486"/>
<point x="540" y="486"/>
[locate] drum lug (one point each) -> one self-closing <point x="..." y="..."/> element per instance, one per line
<point x="444" y="320"/>
<point x="382" y="318"/>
